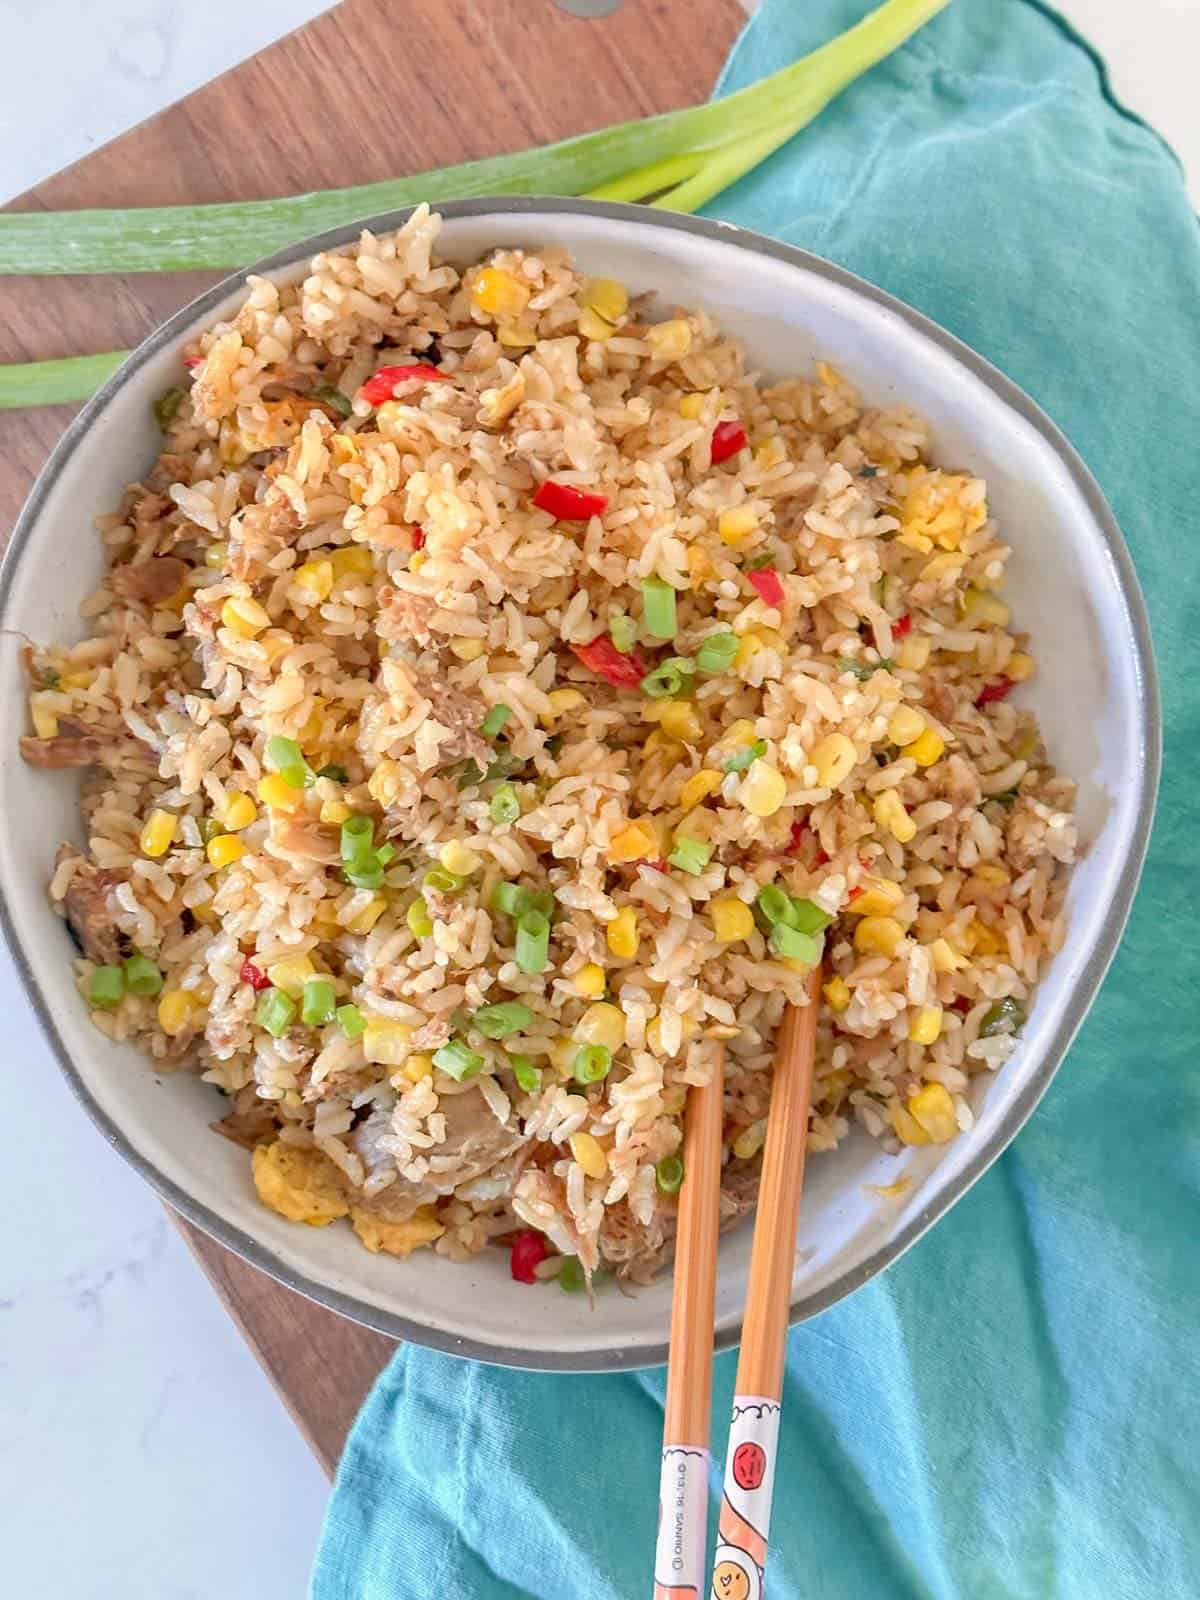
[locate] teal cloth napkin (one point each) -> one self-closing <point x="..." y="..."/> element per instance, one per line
<point x="1011" y="1412"/>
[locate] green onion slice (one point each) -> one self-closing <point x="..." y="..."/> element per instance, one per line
<point x="457" y="1060"/>
<point x="106" y="988"/>
<point x="592" y="1063"/>
<point x="498" y="1021"/>
<point x="351" y="1021"/>
<point x="571" y="1276"/>
<point x="668" y="1174"/>
<point x="691" y="855"/>
<point x="334" y="771"/>
<point x="533" y="941"/>
<point x="420" y="923"/>
<point x="505" y="805"/>
<point x="318" y="1002"/>
<point x="717" y="652"/>
<point x="774" y="903"/>
<point x="1006" y="1016"/>
<point x="794" y="945"/>
<point x="275" y="1011"/>
<point x="334" y="398"/>
<point x="658" y="608"/>
<point x="747" y="757"/>
<point x="529" y="1077"/>
<point x="142" y="976"/>
<point x="495" y="720"/>
<point x="622" y="630"/>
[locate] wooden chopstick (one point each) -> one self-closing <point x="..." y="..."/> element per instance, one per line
<point x="680" y="1556"/>
<point x="745" y="1516"/>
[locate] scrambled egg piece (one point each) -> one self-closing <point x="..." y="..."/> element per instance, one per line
<point x="397" y="1238"/>
<point x="302" y="1185"/>
<point x="940" y="508"/>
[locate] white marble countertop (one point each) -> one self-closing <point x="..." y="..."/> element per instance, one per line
<point x="142" y="1451"/>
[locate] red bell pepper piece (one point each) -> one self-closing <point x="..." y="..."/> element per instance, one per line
<point x="854" y="893"/>
<point x="254" y="976"/>
<point x="418" y="536"/>
<point x="528" y="1249"/>
<point x="381" y="385"/>
<point x="192" y="362"/>
<point x="994" y="691"/>
<point x="727" y="439"/>
<point x="769" y="585"/>
<point x="796" y="838"/>
<point x="901" y="626"/>
<point x="568" y="504"/>
<point x="624" y="670"/>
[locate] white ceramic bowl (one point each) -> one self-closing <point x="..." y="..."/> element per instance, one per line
<point x="1071" y="584"/>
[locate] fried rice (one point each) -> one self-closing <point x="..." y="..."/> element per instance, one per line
<point x="498" y="700"/>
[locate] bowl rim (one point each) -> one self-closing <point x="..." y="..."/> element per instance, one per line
<point x="619" y="1358"/>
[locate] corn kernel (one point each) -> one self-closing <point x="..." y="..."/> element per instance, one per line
<point x="941" y="566"/>
<point x="691" y="405"/>
<point x="159" y="833"/>
<point x="459" y="859"/>
<point x="908" y="1129"/>
<point x="926" y="1025"/>
<point x="927" y="749"/>
<point x="654" y="1043"/>
<point x="1020" y="667"/>
<point x="622" y="935"/>
<point x="669" y="341"/>
<point x="291" y="973"/>
<point x="589" y="981"/>
<point x="418" y="1067"/>
<point x="736" y="525"/>
<point x="698" y="788"/>
<point x="386" y="1042"/>
<point x="889" y="813"/>
<point x="749" y="646"/>
<point x="680" y="720"/>
<point x="993" y="874"/>
<point x="593" y="326"/>
<point x="750" y="1141"/>
<point x="176" y="1011"/>
<point x="658" y="740"/>
<point x="837" y="993"/>
<point x="834" y="758"/>
<point x="315" y="578"/>
<point x="499" y="294"/>
<point x="945" y="957"/>
<point x="933" y="1110"/>
<point x="590" y="1154"/>
<point x="769" y="452"/>
<point x="365" y="919"/>
<point x="879" y="898"/>
<point x="637" y="842"/>
<point x="516" y="335"/>
<point x="352" y="561"/>
<point x="335" y="811"/>
<point x="275" y="792"/>
<point x="878" y="936"/>
<point x="608" y="298"/>
<point x="914" y="652"/>
<point x="905" y="724"/>
<point x="224" y="850"/>
<point x="985" y="941"/>
<point x="763" y="790"/>
<point x="739" y="733"/>
<point x="468" y="649"/>
<point x="417" y="560"/>
<point x="602" y="1024"/>
<point x="385" y="783"/>
<point x="43" y="717"/>
<point x="980" y="606"/>
<point x="732" y="919"/>
<point x="240" y="812"/>
<point x="84" y="680"/>
<point x="276" y="643"/>
<point x="215" y="555"/>
<point x="562" y="700"/>
<point x="244" y="617"/>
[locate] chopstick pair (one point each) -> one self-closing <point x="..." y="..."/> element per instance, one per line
<point x="742" y="1527"/>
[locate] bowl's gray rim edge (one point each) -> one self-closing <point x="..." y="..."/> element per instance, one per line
<point x="621" y="1358"/>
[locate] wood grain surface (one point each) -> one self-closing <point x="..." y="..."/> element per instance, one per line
<point x="373" y="89"/>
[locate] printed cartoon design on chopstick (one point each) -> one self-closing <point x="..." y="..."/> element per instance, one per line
<point x="746" y="1504"/>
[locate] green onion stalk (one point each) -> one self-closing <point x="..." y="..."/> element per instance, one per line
<point x="694" y="155"/>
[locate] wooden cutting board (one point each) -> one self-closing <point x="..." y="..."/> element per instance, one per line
<point x="374" y="89"/>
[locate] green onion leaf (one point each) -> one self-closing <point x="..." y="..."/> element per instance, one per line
<point x="622" y="630"/>
<point x="668" y="1174"/>
<point x="368" y="876"/>
<point x="284" y="754"/>
<point x="571" y="1276"/>
<point x="332" y="770"/>
<point x="495" y="720"/>
<point x="533" y="942"/>
<point x="592" y="1063"/>
<point x="275" y="1011"/>
<point x="510" y="899"/>
<point x="166" y="407"/>
<point x="318" y="1001"/>
<point x="794" y="945"/>
<point x="668" y="678"/>
<point x="862" y="670"/>
<point x="443" y="882"/>
<point x="470" y="774"/>
<point x="529" y="1077"/>
<point x="106" y="988"/>
<point x="385" y="854"/>
<point x="717" y="652"/>
<point x="457" y="1060"/>
<point x="505" y="805"/>
<point x="747" y="757"/>
<point x="691" y="855"/>
<point x="1006" y="1016"/>
<point x="658" y="608"/>
<point x="351" y="1021"/>
<point x="498" y="1021"/>
<point x="142" y="976"/>
<point x="357" y="840"/>
<point x="420" y="923"/>
<point x="334" y="399"/>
